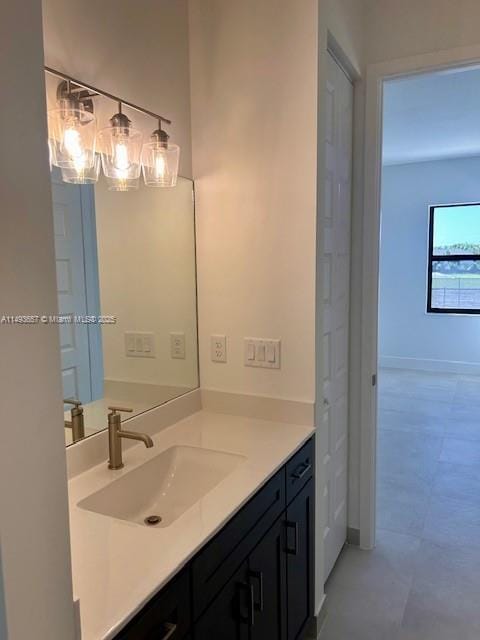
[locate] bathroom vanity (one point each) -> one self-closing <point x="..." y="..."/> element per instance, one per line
<point x="254" y="579"/>
<point x="233" y="554"/>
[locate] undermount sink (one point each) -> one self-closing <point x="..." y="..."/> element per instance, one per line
<point x="158" y="492"/>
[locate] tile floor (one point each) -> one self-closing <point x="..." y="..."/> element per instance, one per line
<point x="422" y="581"/>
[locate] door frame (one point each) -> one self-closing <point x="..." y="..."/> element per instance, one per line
<point x="376" y="75"/>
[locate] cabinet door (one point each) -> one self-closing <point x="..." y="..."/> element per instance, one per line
<point x="299" y="549"/>
<point x="230" y="615"/>
<point x="166" y="616"/>
<point x="267" y="575"/>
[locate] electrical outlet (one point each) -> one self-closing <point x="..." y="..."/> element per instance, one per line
<point x="177" y="346"/>
<point x="259" y="352"/>
<point x="218" y="347"/>
<point x="139" y="345"/>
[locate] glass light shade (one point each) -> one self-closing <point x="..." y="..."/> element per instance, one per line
<point x="72" y="134"/>
<point x="121" y="148"/>
<point x="123" y="184"/>
<point x="83" y="176"/>
<point x="160" y="164"/>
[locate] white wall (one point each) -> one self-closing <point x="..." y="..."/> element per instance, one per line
<point x="138" y="51"/>
<point x="33" y="489"/>
<point x="406" y="331"/>
<point x="254" y="114"/>
<point x="146" y="259"/>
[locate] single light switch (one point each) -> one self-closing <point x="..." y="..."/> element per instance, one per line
<point x="130" y="342"/>
<point x="271" y="352"/>
<point x="138" y="344"/>
<point x="250" y="351"/>
<point x="260" y="355"/>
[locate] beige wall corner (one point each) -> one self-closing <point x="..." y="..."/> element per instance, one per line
<point x="254" y="115"/>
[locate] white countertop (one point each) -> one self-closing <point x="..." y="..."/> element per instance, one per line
<point x="117" y="565"/>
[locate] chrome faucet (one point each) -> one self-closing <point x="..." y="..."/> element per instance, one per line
<point x="76" y="424"/>
<point x="115" y="435"/>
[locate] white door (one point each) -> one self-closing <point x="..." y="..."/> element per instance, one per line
<point x="72" y="296"/>
<point x="337" y="222"/>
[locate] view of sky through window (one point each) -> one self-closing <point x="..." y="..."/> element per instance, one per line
<point x="454" y="259"/>
<point x="457" y="228"/>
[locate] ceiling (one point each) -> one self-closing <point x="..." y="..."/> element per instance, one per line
<point x="432" y="116"/>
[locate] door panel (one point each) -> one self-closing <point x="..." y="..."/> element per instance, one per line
<point x="337" y="222"/>
<point x="72" y="298"/>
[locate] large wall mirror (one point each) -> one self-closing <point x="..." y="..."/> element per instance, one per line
<point x="126" y="281"/>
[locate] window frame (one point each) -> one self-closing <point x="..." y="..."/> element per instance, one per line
<point x="450" y="258"/>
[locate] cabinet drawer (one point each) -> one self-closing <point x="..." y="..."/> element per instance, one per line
<point x="166" y="616"/>
<point x="218" y="561"/>
<point x="300" y="469"/>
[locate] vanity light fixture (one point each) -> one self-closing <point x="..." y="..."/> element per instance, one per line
<point x="72" y="131"/>
<point x="160" y="160"/>
<point x="73" y="141"/>
<point x="121" y="146"/>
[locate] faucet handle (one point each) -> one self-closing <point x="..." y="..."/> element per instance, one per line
<point x="72" y="401"/>
<point x="122" y="409"/>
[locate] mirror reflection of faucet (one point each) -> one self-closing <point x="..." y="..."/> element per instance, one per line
<point x="76" y="424"/>
<point x="115" y="434"/>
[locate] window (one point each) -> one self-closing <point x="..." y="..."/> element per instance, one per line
<point x="454" y="259"/>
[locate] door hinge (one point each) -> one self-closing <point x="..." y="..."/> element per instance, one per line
<point x="374" y="380"/>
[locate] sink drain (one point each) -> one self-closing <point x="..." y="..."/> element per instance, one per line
<point x="152" y="520"/>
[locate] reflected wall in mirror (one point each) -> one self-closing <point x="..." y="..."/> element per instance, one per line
<point x="126" y="281"/>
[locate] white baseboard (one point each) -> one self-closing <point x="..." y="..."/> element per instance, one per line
<point x="261" y="407"/>
<point x="317" y="621"/>
<point x="440" y="366"/>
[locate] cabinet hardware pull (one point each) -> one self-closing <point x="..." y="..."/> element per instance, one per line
<point x="170" y="629"/>
<point x="301" y="470"/>
<point x="258" y="575"/>
<point x="294" y="526"/>
<point x="250" y="618"/>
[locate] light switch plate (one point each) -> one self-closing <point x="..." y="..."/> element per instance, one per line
<point x="139" y="344"/>
<point x="177" y="346"/>
<point x="218" y="347"/>
<point x="262" y="352"/>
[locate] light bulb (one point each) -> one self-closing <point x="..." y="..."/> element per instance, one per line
<point x="121" y="160"/>
<point x="72" y="142"/>
<point x="159" y="165"/>
<point x="121" y="147"/>
<point x="72" y="138"/>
